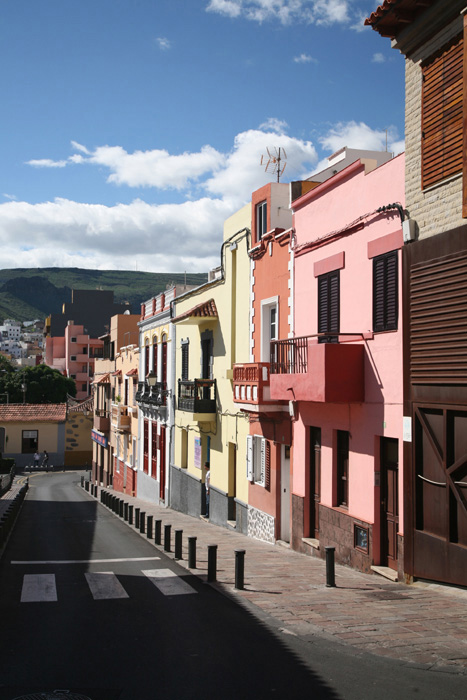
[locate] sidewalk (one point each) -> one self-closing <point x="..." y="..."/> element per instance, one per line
<point x="422" y="623"/>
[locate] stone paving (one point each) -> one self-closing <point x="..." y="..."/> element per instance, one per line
<point x="422" y="623"/>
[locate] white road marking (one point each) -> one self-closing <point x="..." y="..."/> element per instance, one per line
<point x="39" y="588"/>
<point x="105" y="585"/>
<point x="168" y="582"/>
<point x="85" y="561"/>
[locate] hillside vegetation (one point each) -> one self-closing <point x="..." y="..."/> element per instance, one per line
<point x="30" y="293"/>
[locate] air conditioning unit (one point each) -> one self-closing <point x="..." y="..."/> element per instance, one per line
<point x="409" y="230"/>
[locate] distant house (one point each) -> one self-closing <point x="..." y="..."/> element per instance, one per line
<point x="30" y="428"/>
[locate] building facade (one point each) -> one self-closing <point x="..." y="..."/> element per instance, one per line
<point x="431" y="36"/>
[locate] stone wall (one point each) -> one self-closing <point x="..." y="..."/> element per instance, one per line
<point x="261" y="526"/>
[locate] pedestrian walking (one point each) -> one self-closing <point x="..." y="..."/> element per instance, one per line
<point x="37" y="458"/>
<point x="45" y="459"/>
<point x="207" y="484"/>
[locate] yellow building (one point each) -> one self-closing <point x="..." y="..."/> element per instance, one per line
<point x="212" y="333"/>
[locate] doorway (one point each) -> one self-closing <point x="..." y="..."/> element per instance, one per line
<point x="315" y="481"/>
<point x="389" y="501"/>
<point x="285" y="493"/>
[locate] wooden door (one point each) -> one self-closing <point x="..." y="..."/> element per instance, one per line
<point x="440" y="487"/>
<point x="389" y="501"/>
<point x="315" y="481"/>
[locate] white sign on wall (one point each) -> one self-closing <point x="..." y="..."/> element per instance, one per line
<point x="407" y="429"/>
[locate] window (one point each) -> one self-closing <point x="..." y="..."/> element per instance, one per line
<point x="385" y="294"/>
<point x="328" y="306"/>
<point x="154" y="355"/>
<point x="84" y="387"/>
<point x="261" y="220"/>
<point x="442" y="132"/>
<point x="73" y="358"/>
<point x="72" y="340"/>
<point x="185" y="349"/>
<point x="30" y="441"/>
<point x="342" y="468"/>
<point x="258" y="460"/>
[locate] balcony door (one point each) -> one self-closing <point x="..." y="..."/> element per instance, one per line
<point x="328" y="306"/>
<point x="269" y="326"/>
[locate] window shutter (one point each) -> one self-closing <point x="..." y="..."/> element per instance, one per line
<point x="185" y="348"/>
<point x="385" y="296"/>
<point x="328" y="306"/>
<point x="263" y="461"/>
<point x="267" y="476"/>
<point x="249" y="457"/>
<point x="442" y="95"/>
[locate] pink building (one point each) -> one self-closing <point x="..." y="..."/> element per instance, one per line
<point x="341" y="370"/>
<point x="73" y="355"/>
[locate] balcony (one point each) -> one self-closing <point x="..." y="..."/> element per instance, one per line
<point x="304" y="370"/>
<point x="198" y="397"/>
<point x="121" y="419"/>
<point x="151" y="392"/>
<point x="251" y="386"/>
<point x="101" y="420"/>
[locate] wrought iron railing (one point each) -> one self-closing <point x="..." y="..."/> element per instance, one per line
<point x="197" y="396"/>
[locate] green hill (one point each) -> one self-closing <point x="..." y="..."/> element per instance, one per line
<point x="29" y="293"/>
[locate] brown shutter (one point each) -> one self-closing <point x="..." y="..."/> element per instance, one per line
<point x="328" y="306"/>
<point x="385" y="296"/>
<point x="442" y="98"/>
<point x="438" y="321"/>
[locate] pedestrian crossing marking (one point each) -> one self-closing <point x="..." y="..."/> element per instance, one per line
<point x="39" y="588"/>
<point x="168" y="582"/>
<point x="83" y="561"/>
<point x="104" y="585"/>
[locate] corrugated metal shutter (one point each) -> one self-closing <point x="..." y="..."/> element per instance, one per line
<point x="438" y="321"/>
<point x="442" y="95"/>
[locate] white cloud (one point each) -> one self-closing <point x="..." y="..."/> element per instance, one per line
<point x="321" y="12"/>
<point x="11" y="197"/>
<point x="378" y="58"/>
<point x="47" y="163"/>
<point x="64" y="233"/>
<point x="304" y="58"/>
<point x="179" y="236"/>
<point x="164" y="43"/>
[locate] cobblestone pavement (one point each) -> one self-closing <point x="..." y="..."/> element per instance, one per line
<point x="422" y="623"/>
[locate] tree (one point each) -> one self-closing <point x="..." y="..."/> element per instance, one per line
<point x="39" y="384"/>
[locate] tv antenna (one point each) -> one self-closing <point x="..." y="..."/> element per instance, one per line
<point x="275" y="160"/>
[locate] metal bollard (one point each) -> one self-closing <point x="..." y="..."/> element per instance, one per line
<point x="125" y="511"/>
<point x="212" y="562"/>
<point x="82" y="480"/>
<point x="167" y="538"/>
<point x="157" y="531"/>
<point x="192" y="552"/>
<point x="86" y="485"/>
<point x="178" y="544"/>
<point x="330" y="577"/>
<point x="149" y="521"/>
<point x="137" y="512"/>
<point x="122" y="506"/>
<point x="130" y="514"/>
<point x="142" y="522"/>
<point x="239" y="568"/>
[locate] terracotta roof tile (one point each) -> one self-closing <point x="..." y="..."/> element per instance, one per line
<point x="32" y="413"/>
<point x="206" y="309"/>
<point x="392" y="16"/>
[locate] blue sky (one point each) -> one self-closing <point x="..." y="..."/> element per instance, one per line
<point x="131" y="129"/>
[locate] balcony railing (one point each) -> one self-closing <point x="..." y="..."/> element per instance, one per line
<point x="121" y="419"/>
<point x="197" y="396"/>
<point x="101" y="420"/>
<point x="308" y="369"/>
<point x="251" y="383"/>
<point x="155" y="394"/>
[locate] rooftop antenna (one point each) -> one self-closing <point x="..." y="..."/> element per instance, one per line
<point x="274" y="161"/>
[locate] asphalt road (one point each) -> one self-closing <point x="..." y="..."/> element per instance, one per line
<point x="90" y="607"/>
